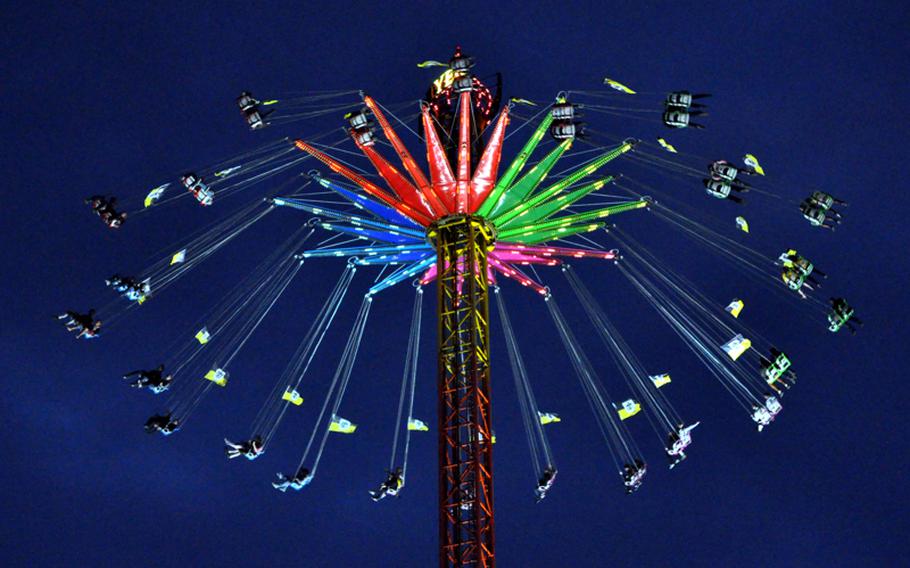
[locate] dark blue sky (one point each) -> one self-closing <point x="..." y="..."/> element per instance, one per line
<point x="115" y="99"/>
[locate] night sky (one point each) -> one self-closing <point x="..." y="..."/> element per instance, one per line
<point x="108" y="98"/>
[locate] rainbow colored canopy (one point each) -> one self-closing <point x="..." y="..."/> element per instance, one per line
<point x="525" y="213"/>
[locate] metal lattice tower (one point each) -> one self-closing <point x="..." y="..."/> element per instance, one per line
<point x="465" y="427"/>
<point x="458" y="211"/>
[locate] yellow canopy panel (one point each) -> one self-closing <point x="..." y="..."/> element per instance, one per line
<point x="735" y="307"/>
<point x="742" y="224"/>
<point x="660" y="380"/>
<point x="548" y="417"/>
<point x="751" y="161"/>
<point x="628" y="409"/>
<point x="218" y="376"/>
<point x="203" y="336"/>
<point x="155" y="195"/>
<point x="737" y="346"/>
<point x="666" y="145"/>
<point x="342" y="425"/>
<point x="178" y="257"/>
<point x="618" y="86"/>
<point x="293" y="397"/>
<point x="417" y="425"/>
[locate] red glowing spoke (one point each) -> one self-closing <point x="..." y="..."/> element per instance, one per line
<point x="485" y="174"/>
<point x="367" y="186"/>
<point x="436" y="205"/>
<point x="440" y="170"/>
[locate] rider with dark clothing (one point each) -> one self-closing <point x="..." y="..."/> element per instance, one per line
<point x="153" y="379"/>
<point x="162" y="423"/>
<point x="392" y="484"/>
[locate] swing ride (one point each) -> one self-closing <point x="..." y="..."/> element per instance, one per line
<point x="473" y="227"/>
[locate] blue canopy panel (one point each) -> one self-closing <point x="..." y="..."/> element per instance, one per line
<point x="347" y="217"/>
<point x="405" y="272"/>
<point x="365" y="203"/>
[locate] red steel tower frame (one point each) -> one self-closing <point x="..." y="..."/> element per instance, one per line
<point x="465" y="427"/>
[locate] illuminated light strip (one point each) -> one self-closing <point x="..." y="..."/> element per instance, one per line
<point x="397" y="277"/>
<point x="556" y="251"/>
<point x="366" y="251"/>
<point x="515" y="167"/>
<point x="386" y="236"/>
<point x="485" y="174"/>
<point x="556" y="204"/>
<point x="353" y="219"/>
<point x="543" y="236"/>
<point x="463" y="182"/>
<point x="572" y="178"/>
<point x="401" y="186"/>
<point x="516" y="257"/>
<point x="573" y="219"/>
<point x="440" y="170"/>
<point x="367" y="186"/>
<point x="364" y="203"/>
<point x="520" y="191"/>
<point x="517" y="275"/>
<point x="429" y="275"/>
<point x="436" y="205"/>
<point x="394" y="258"/>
